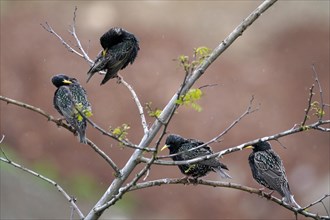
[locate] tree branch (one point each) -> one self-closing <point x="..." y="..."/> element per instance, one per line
<point x="316" y="78"/>
<point x="73" y="33"/>
<point x="164" y="116"/>
<point x="249" y="110"/>
<point x="258" y="192"/>
<point x="138" y="104"/>
<point x="60" y="123"/>
<point x="59" y="188"/>
<point x="241" y="146"/>
<point x="311" y="93"/>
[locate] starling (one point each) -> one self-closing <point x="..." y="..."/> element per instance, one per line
<point x="268" y="170"/>
<point x="177" y="144"/>
<point x="70" y="101"/>
<point x="120" y="48"/>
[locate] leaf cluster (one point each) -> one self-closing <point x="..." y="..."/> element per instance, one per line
<point x="80" y="109"/>
<point x="200" y="54"/>
<point x="121" y="131"/>
<point x="190" y="99"/>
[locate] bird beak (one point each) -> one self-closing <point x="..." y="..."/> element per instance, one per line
<point x="67" y="81"/>
<point x="164" y="147"/>
<point x="104" y="52"/>
<point x="249" y="147"/>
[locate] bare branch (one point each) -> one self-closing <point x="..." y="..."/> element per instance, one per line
<point x="249" y="110"/>
<point x="124" y="142"/>
<point x="170" y="107"/>
<point x="48" y="28"/>
<point x="318" y="201"/>
<point x="320" y="91"/>
<point x="126" y="188"/>
<point x="138" y="104"/>
<point x="59" y="188"/>
<point x="240" y="147"/>
<point x="104" y="156"/>
<point x="311" y="93"/>
<point x="74" y="34"/>
<point x="258" y="192"/>
<point x="60" y="123"/>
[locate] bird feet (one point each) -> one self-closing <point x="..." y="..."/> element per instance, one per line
<point x="118" y="78"/>
<point x="60" y="121"/>
<point x="265" y="194"/>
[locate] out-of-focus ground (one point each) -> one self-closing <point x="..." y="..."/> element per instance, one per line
<point x="272" y="61"/>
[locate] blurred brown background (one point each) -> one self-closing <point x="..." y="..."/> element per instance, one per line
<point x="272" y="61"/>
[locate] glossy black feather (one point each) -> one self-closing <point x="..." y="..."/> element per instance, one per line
<point x="178" y="144"/>
<point x="120" y="48"/>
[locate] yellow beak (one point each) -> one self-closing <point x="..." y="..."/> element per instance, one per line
<point x="249" y="147"/>
<point x="164" y="147"/>
<point x="104" y="52"/>
<point x="67" y="81"/>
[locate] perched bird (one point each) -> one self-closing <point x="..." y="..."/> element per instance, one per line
<point x="268" y="170"/>
<point x="178" y="144"/>
<point x="70" y="100"/>
<point x="120" y="48"/>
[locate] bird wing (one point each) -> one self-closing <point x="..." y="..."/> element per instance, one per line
<point x="79" y="94"/>
<point x="271" y="169"/>
<point x="120" y="54"/>
<point x="99" y="63"/>
<point x="203" y="151"/>
<point x="63" y="102"/>
<point x="118" y="58"/>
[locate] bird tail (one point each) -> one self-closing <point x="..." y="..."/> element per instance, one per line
<point x="81" y="130"/>
<point x="222" y="173"/>
<point x="90" y="74"/>
<point x="290" y="200"/>
<point x="82" y="137"/>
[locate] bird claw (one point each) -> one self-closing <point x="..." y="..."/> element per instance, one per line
<point x="60" y="121"/>
<point x="265" y="194"/>
<point x="185" y="178"/>
<point x="118" y="79"/>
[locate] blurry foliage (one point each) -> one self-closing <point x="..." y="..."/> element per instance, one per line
<point x="84" y="186"/>
<point x="190" y="99"/>
<point x="200" y="54"/>
<point x="47" y="169"/>
<point x="121" y="131"/>
<point x="85" y="111"/>
<point x="318" y="111"/>
<point x="152" y="112"/>
<point x="128" y="203"/>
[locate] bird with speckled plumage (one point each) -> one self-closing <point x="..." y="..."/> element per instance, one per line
<point x="70" y="100"/>
<point x="268" y="170"/>
<point x="177" y="144"/>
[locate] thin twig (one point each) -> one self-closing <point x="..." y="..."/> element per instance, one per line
<point x="123" y="141"/>
<point x="138" y="104"/>
<point x="104" y="156"/>
<point x="58" y="122"/>
<point x="320" y="91"/>
<point x="249" y="110"/>
<point x="59" y="188"/>
<point x="318" y="201"/>
<point x="236" y="186"/>
<point x="126" y="188"/>
<point x="311" y="93"/>
<point x="48" y="28"/>
<point x="74" y="34"/>
<point x="239" y="147"/>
